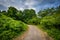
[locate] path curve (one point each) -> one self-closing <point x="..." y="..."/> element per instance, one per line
<point x="34" y="34"/>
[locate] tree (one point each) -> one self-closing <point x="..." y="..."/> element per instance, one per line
<point x="46" y="12"/>
<point x="19" y="15"/>
<point x="42" y="13"/>
<point x="11" y="12"/>
<point x="28" y="14"/>
<point x="4" y="12"/>
<point x="58" y="9"/>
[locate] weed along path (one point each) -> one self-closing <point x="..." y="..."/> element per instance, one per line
<point x="34" y="34"/>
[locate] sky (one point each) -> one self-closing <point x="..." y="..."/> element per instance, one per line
<point x="29" y="4"/>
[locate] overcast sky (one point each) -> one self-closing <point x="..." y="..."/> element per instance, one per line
<point x="30" y="4"/>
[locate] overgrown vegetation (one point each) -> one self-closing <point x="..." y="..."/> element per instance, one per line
<point x="11" y="21"/>
<point x="10" y="28"/>
<point x="19" y="15"/>
<point x="34" y="21"/>
<point x="51" y="22"/>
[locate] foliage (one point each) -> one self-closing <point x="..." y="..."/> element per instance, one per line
<point x="3" y="12"/>
<point x="10" y="28"/>
<point x="19" y="15"/>
<point x="11" y="12"/>
<point x="28" y="14"/>
<point x="54" y="33"/>
<point x="24" y="15"/>
<point x="46" y="12"/>
<point x="52" y="25"/>
<point x="51" y="21"/>
<point x="34" y="21"/>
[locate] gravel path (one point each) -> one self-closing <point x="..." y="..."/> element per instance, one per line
<point x="34" y="34"/>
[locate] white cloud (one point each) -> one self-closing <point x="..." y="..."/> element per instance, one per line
<point x="27" y="4"/>
<point x="21" y="8"/>
<point x="32" y="8"/>
<point x="30" y="4"/>
<point x="21" y="4"/>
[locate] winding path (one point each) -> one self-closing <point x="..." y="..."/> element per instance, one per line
<point x="34" y="34"/>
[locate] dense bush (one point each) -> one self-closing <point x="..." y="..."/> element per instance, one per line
<point x="52" y="25"/>
<point x="51" y="21"/>
<point x="10" y="28"/>
<point x="34" y="21"/>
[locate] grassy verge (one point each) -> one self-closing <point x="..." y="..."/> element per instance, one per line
<point x="53" y="32"/>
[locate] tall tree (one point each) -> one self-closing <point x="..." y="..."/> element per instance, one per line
<point x="29" y="14"/>
<point x="12" y="12"/>
<point x="46" y="12"/>
<point x="19" y="15"/>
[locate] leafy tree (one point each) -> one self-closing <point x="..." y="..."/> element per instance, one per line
<point x="46" y="12"/>
<point x="34" y="21"/>
<point x="4" y="12"/>
<point x="19" y="15"/>
<point x="58" y="9"/>
<point x="11" y="12"/>
<point x="28" y="14"/>
<point x="42" y="13"/>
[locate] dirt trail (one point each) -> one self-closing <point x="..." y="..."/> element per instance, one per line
<point x="34" y="34"/>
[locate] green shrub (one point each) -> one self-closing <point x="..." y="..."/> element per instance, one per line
<point x="10" y="28"/>
<point x="34" y="21"/>
<point x="52" y="25"/>
<point x="51" y="21"/>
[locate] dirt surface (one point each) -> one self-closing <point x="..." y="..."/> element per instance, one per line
<point x="34" y="34"/>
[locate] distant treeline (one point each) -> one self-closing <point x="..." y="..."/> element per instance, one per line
<point x="28" y="14"/>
